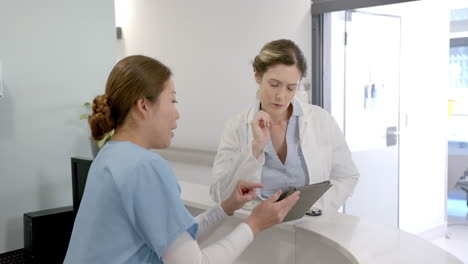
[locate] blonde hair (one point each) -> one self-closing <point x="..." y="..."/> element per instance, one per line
<point x="282" y="51"/>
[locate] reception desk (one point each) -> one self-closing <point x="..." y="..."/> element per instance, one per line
<point x="330" y="238"/>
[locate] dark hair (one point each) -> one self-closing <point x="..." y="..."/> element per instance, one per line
<point x="131" y="79"/>
<point x="282" y="51"/>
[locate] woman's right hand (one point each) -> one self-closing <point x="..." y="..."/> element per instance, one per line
<point x="261" y="132"/>
<point x="270" y="212"/>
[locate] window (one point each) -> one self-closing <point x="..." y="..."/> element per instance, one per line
<point x="458" y="77"/>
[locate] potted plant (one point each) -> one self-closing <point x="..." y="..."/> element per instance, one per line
<point x="96" y="145"/>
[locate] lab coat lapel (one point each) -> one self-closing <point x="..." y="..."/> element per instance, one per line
<point x="305" y="143"/>
<point x="250" y="117"/>
<point x="302" y="128"/>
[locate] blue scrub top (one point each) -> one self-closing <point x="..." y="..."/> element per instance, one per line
<point x="131" y="211"/>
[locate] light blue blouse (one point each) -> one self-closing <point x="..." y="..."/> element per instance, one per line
<point x="131" y="210"/>
<point x="293" y="173"/>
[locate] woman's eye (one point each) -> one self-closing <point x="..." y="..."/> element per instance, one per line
<point x="292" y="87"/>
<point x="175" y="101"/>
<point x="274" y="84"/>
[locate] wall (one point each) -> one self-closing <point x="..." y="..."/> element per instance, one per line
<point x="423" y="146"/>
<point x="56" y="55"/>
<point x="209" y="45"/>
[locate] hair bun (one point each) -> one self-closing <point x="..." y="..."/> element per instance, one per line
<point x="101" y="105"/>
<point x="101" y="121"/>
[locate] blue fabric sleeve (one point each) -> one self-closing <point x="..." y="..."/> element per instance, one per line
<point x="151" y="198"/>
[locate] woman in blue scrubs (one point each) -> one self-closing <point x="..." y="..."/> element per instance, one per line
<point x="131" y="211"/>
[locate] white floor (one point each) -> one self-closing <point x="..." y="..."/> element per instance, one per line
<point x="456" y="240"/>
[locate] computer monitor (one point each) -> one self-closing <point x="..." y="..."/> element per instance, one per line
<point x="80" y="167"/>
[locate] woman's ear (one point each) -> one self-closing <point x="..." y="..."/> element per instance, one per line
<point x="142" y="107"/>
<point x="258" y="78"/>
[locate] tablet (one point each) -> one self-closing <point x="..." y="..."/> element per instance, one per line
<point x="309" y="195"/>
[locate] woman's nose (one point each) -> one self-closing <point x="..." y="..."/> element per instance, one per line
<point x="279" y="94"/>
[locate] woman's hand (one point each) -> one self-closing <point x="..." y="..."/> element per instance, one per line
<point x="270" y="212"/>
<point x="244" y="192"/>
<point x="261" y="132"/>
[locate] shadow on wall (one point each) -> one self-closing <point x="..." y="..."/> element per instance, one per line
<point x="11" y="228"/>
<point x="14" y="226"/>
<point x="81" y="142"/>
<point x="44" y="193"/>
<point x="121" y="50"/>
<point x="45" y="200"/>
<point x="50" y="193"/>
<point x="6" y="116"/>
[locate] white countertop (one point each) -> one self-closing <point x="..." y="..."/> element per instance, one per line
<point x="360" y="241"/>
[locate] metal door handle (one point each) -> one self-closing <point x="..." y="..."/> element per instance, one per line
<point x="393" y="133"/>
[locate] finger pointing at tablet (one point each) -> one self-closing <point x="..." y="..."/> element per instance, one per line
<point x="270" y="212"/>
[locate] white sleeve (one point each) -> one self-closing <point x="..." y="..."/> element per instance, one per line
<point x="233" y="164"/>
<point x="185" y="250"/>
<point x="209" y="221"/>
<point x="344" y="175"/>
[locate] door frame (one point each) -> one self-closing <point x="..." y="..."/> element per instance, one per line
<point x="348" y="17"/>
<point x="321" y="71"/>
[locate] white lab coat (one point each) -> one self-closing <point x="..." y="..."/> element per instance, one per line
<point x="325" y="151"/>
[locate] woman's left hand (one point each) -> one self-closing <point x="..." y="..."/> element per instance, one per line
<point x="244" y="192"/>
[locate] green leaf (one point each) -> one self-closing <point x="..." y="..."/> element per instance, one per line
<point x="106" y="138"/>
<point x="87" y="104"/>
<point x="101" y="142"/>
<point x="84" y="116"/>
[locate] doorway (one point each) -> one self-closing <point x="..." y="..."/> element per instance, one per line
<point x="421" y="133"/>
<point x="384" y="82"/>
<point x="371" y="112"/>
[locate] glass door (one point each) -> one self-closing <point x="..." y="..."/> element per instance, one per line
<point x="371" y="113"/>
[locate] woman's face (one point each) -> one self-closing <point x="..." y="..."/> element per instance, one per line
<point x="278" y="86"/>
<point x="164" y="116"/>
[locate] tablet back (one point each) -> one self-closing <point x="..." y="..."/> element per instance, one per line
<point x="309" y="195"/>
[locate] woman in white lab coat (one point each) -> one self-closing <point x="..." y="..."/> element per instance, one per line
<point x="281" y="142"/>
